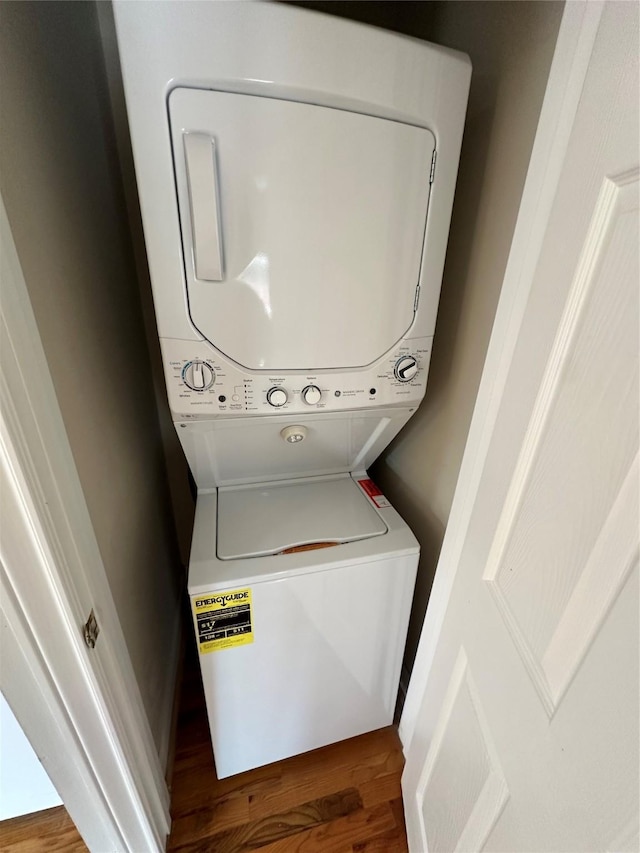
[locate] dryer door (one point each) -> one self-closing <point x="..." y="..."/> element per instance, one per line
<point x="302" y="227"/>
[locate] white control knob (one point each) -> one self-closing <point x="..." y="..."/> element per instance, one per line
<point x="198" y="376"/>
<point x="311" y="395"/>
<point x="277" y="397"/>
<point x="406" y="368"/>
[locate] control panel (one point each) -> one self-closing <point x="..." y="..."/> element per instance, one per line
<point x="202" y="383"/>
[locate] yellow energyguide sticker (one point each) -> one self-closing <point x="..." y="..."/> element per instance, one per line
<point x="223" y="619"/>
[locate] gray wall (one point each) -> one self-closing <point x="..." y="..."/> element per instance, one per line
<point x="61" y="184"/>
<point x="177" y="469"/>
<point x="511" y="46"/>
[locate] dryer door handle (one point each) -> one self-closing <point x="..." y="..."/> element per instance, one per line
<point x="202" y="179"/>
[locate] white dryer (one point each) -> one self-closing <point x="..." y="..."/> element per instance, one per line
<point x="296" y="177"/>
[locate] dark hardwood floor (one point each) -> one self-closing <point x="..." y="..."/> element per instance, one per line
<point x="344" y="798"/>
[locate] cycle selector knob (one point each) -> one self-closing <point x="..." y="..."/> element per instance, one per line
<point x="198" y="375"/>
<point x="277" y="397"/>
<point x="311" y="395"/>
<point x="406" y="368"/>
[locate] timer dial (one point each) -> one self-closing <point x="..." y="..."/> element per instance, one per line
<point x="277" y="397"/>
<point x="311" y="395"/>
<point x="406" y="368"/>
<point x="198" y="375"/>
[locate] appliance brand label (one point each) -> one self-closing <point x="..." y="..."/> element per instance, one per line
<point x="223" y="620"/>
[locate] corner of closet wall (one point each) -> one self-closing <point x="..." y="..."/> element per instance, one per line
<point x="177" y="469"/>
<point x="60" y="182"/>
<point x="511" y="46"/>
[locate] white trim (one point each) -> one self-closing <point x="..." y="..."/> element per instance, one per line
<point x="33" y="695"/>
<point x="81" y="709"/>
<point x="578" y="29"/>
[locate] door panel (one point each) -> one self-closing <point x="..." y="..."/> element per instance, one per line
<point x="555" y="582"/>
<point x="532" y="699"/>
<point x="462" y="749"/>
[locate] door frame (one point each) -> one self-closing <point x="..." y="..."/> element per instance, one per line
<point x="576" y="37"/>
<point x="81" y="709"/>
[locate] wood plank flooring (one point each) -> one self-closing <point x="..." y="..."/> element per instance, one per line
<point x="344" y="798"/>
<point x="48" y="831"/>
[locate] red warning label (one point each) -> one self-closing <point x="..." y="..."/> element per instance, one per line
<point x="373" y="493"/>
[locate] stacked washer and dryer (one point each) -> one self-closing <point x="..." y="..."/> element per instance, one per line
<point x="296" y="175"/>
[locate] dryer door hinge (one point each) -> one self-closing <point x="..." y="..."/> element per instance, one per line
<point x="433" y="166"/>
<point x="416" y="300"/>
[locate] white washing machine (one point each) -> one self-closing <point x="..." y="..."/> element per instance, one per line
<point x="320" y="632"/>
<point x="296" y="177"/>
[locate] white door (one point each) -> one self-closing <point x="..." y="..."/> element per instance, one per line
<point x="521" y="723"/>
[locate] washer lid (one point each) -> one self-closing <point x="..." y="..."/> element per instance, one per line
<point x="302" y="227"/>
<point x="269" y="518"/>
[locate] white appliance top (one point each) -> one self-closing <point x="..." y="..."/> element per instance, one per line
<point x="271" y="518"/>
<point x="302" y="227"/>
<point x="207" y="572"/>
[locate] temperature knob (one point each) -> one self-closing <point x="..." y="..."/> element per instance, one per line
<point x="198" y="376"/>
<point x="406" y="368"/>
<point x="311" y="395"/>
<point x="277" y="397"/>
